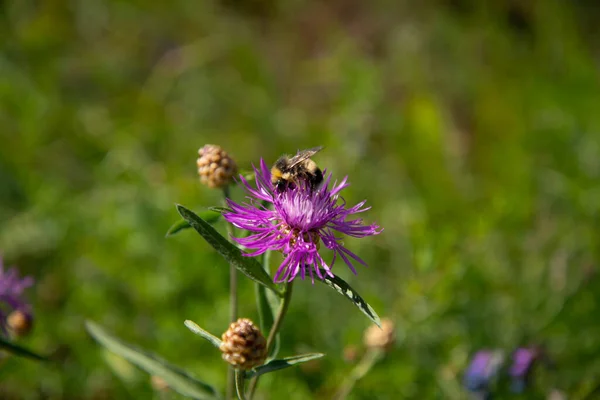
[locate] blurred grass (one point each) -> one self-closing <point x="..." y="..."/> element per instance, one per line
<point x="471" y="129"/>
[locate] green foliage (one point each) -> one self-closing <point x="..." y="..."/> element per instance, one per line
<point x="275" y="365"/>
<point x="211" y="217"/>
<point x="246" y="265"/>
<point x="340" y="286"/>
<point x="267" y="305"/>
<point x="175" y="377"/>
<point x="15" y="349"/>
<point x="470" y="127"/>
<point x="194" y="327"/>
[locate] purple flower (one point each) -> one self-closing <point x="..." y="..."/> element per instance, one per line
<point x="11" y="293"/>
<point x="523" y="361"/>
<point x="483" y="369"/>
<point x="298" y="221"/>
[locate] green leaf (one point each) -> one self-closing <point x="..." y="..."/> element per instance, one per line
<point x="20" y="351"/>
<point x="267" y="305"/>
<point x="276" y="365"/>
<point x="211" y="216"/>
<point x="344" y="289"/>
<point x="177" y="379"/>
<point x="220" y="210"/>
<point x="194" y="327"/>
<point x="178" y="227"/>
<point x="248" y="174"/>
<point x="123" y="369"/>
<point x="247" y="265"/>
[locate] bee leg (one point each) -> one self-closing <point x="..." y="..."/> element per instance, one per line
<point x="281" y="186"/>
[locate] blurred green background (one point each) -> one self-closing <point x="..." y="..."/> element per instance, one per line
<point x="473" y="130"/>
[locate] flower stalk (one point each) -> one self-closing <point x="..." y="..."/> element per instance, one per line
<point x="283" y="307"/>
<point x="370" y="358"/>
<point x="239" y="384"/>
<point x="233" y="301"/>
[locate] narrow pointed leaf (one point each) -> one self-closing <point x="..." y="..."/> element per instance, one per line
<point x="20" y="351"/>
<point x="248" y="174"/>
<point x="177" y="227"/>
<point x="123" y="369"/>
<point x="344" y="289"/>
<point x="194" y="327"/>
<point x="177" y="379"/>
<point x="276" y="365"/>
<point x="211" y="216"/>
<point x="219" y="210"/>
<point x="247" y="265"/>
<point x="267" y="304"/>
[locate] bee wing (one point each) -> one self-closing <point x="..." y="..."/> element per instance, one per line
<point x="303" y="155"/>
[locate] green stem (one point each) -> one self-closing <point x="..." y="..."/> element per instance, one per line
<point x="283" y="307"/>
<point x="239" y="384"/>
<point x="360" y="370"/>
<point x="233" y="301"/>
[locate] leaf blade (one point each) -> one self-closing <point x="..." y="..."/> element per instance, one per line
<point x="287" y="362"/>
<point x="343" y="288"/>
<point x="246" y="265"/>
<point x="177" y="379"/>
<point x="195" y="328"/>
<point x="20" y="351"/>
<point x="177" y="227"/>
<point x="219" y="210"/>
<point x="211" y="216"/>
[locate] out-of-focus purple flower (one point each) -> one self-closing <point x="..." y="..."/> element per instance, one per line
<point x="300" y="219"/>
<point x="523" y="361"/>
<point x="483" y="369"/>
<point x="11" y="294"/>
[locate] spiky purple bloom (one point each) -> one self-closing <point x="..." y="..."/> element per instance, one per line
<point x="484" y="367"/>
<point x="300" y="219"/>
<point x="11" y="293"/>
<point x="523" y="362"/>
<point x="523" y="359"/>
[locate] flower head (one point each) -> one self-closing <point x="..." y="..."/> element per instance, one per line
<point x="243" y="345"/>
<point x="381" y="338"/>
<point x="484" y="367"/>
<point x="11" y="294"/>
<point x="522" y="365"/>
<point x="19" y="322"/>
<point x="216" y="168"/>
<point x="299" y="220"/>
<point x="159" y="384"/>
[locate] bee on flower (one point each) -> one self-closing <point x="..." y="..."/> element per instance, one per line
<point x="296" y="221"/>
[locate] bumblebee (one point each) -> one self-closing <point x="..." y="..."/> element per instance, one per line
<point x="289" y="171"/>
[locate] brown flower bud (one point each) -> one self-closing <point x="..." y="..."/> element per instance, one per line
<point x="19" y="323"/>
<point x="243" y="345"/>
<point x="556" y="394"/>
<point x="158" y="383"/>
<point x="215" y="167"/>
<point x="350" y="353"/>
<point x="383" y="339"/>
